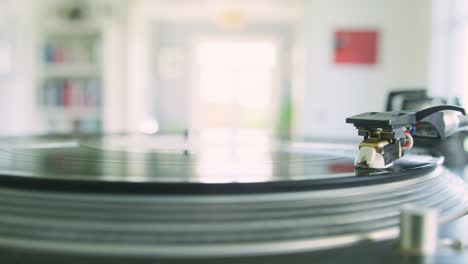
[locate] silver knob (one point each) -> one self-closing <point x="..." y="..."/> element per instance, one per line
<point x="418" y="230"/>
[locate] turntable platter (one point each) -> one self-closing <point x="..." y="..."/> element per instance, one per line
<point x="89" y="197"/>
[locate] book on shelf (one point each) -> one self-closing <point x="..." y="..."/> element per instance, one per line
<point x="72" y="93"/>
<point x="86" y="125"/>
<point x="71" y="51"/>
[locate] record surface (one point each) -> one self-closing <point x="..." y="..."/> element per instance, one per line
<point x="175" y="165"/>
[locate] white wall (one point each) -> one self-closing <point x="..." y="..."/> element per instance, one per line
<point x="18" y="97"/>
<point x="449" y="49"/>
<point x="334" y="92"/>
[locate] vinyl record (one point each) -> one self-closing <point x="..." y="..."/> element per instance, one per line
<point x="173" y="165"/>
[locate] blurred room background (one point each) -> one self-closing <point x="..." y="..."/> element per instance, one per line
<point x="265" y="67"/>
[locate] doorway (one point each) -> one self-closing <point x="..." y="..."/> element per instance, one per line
<point x="235" y="87"/>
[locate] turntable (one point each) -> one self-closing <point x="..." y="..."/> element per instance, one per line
<point x="140" y="199"/>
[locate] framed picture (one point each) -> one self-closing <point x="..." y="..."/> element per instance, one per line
<point x="356" y="47"/>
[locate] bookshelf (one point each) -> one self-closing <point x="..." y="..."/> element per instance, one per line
<point x="63" y="72"/>
<point x="70" y="78"/>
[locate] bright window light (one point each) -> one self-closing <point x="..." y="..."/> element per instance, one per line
<point x="236" y="83"/>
